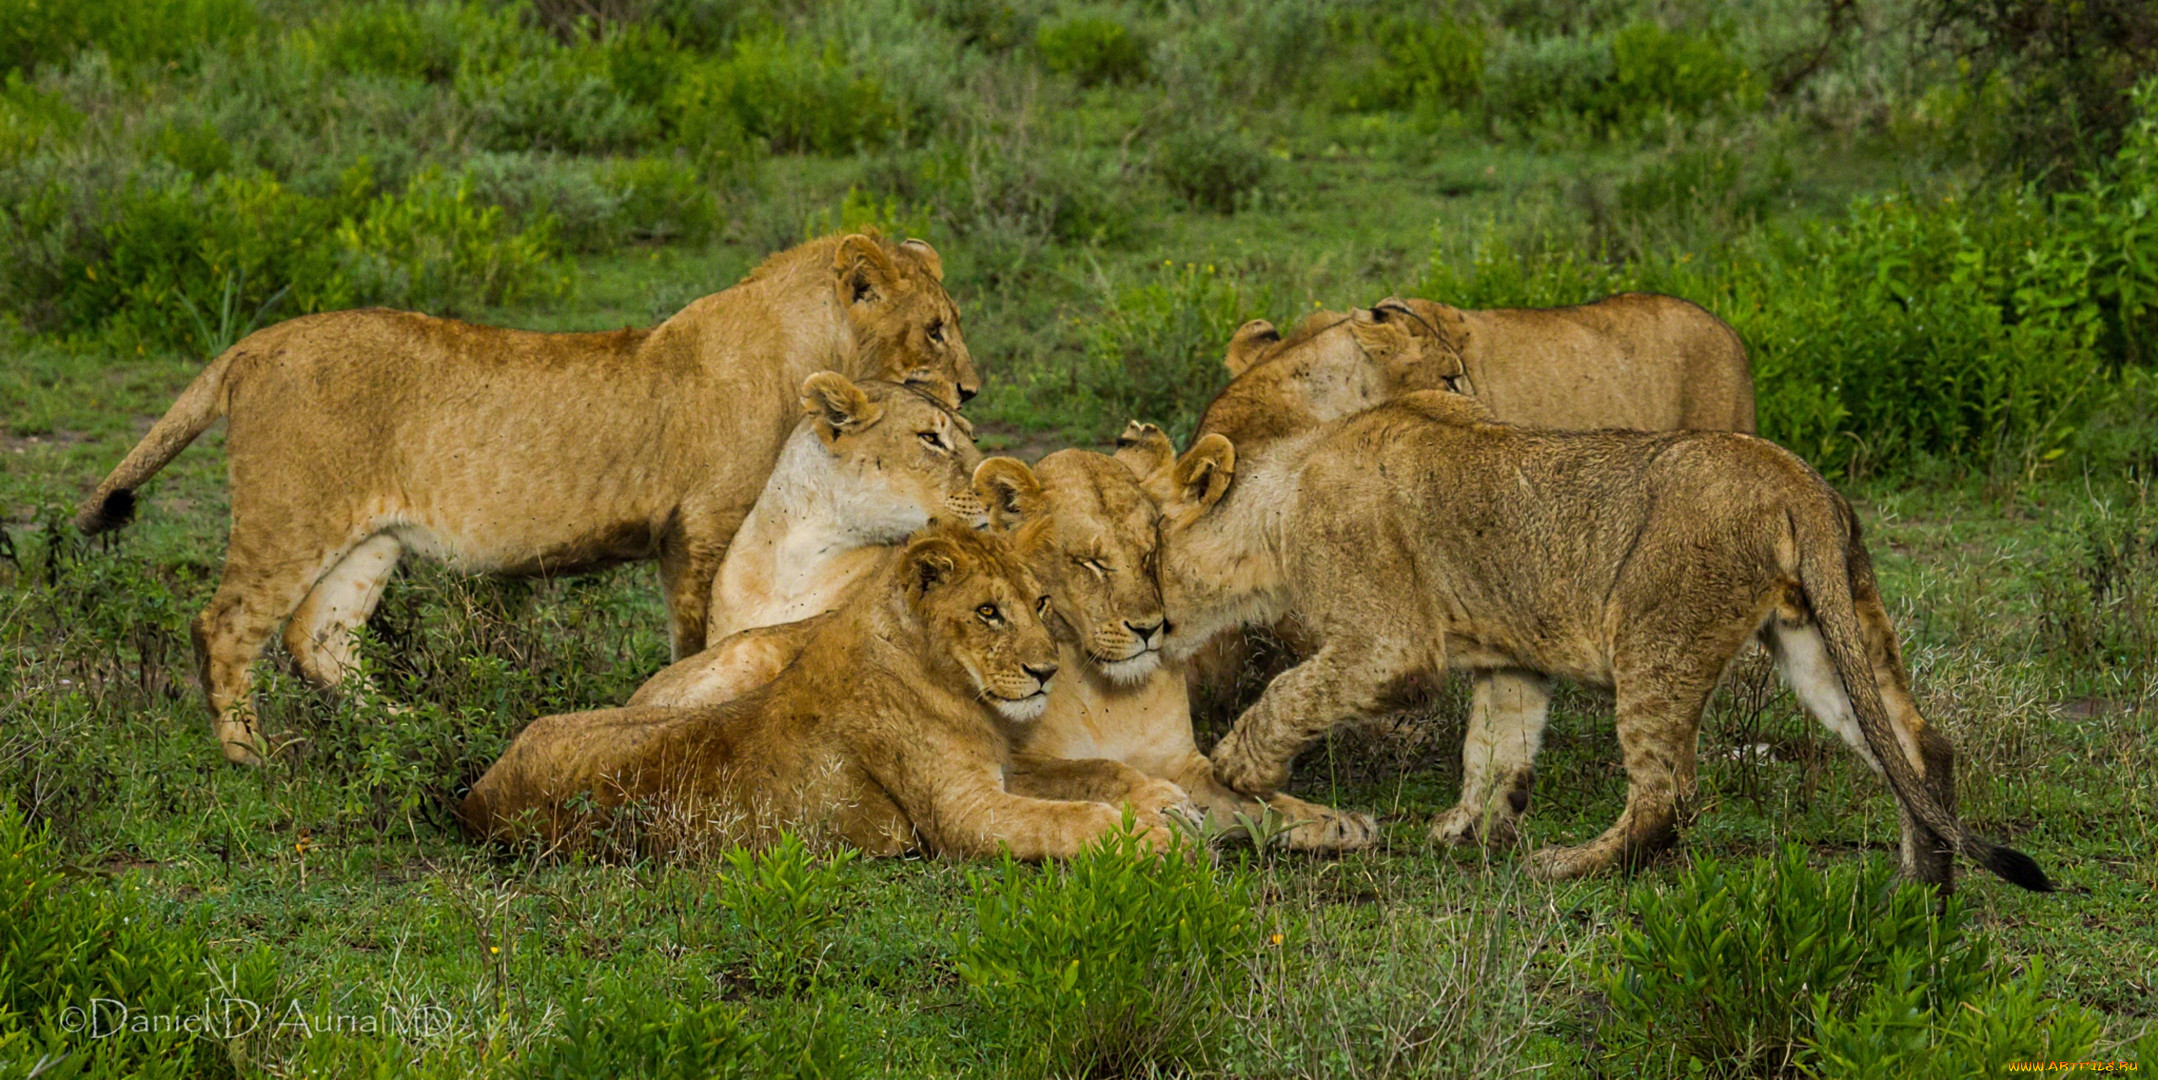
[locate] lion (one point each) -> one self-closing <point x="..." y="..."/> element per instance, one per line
<point x="1424" y="534"/>
<point x="889" y="732"/>
<point x="1631" y="361"/>
<point x="359" y="436"/>
<point x="1087" y="532"/>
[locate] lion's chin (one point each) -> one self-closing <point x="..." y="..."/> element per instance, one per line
<point x="1132" y="669"/>
<point x="1024" y="710"/>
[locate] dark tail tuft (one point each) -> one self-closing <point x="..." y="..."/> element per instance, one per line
<point x="117" y="508"/>
<point x="2016" y="868"/>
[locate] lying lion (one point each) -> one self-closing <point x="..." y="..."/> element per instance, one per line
<point x="1422" y="535"/>
<point x="1633" y="361"/>
<point x="358" y="436"/>
<point x="889" y="732"/>
<point x="1087" y="531"/>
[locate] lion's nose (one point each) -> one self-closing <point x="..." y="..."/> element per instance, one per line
<point x="1146" y="632"/>
<point x="1041" y="672"/>
<point x="966" y="393"/>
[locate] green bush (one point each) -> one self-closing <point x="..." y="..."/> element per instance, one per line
<point x="663" y="200"/>
<point x="32" y="120"/>
<point x="1156" y="353"/>
<point x="786" y="899"/>
<point x="622" y="1031"/>
<point x="789" y="94"/>
<point x="84" y="957"/>
<point x="1606" y="81"/>
<point x="1422" y="63"/>
<point x="427" y="41"/>
<point x="563" y="99"/>
<point x="1211" y="165"/>
<point x="1091" y="49"/>
<point x="1763" y="969"/>
<point x="1112" y="965"/>
<point x="136" y="34"/>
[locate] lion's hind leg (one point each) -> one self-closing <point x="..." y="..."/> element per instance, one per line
<point x="1507" y="715"/>
<point x="1659" y="717"/>
<point x="320" y="634"/>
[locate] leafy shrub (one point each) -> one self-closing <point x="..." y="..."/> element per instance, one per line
<point x="198" y="148"/>
<point x="663" y="199"/>
<point x="998" y="189"/>
<point x="2057" y="76"/>
<point x="786" y="899"/>
<point x="64" y="944"/>
<point x="1210" y="165"/>
<point x="31" y="120"/>
<point x="1754" y="970"/>
<point x="1903" y="1030"/>
<point x="790" y="94"/>
<point x="1114" y="964"/>
<point x="1156" y="353"/>
<point x="1091" y="49"/>
<point x="1422" y="62"/>
<point x="564" y="99"/>
<point x="1607" y="81"/>
<point x="426" y="41"/>
<point x="136" y="34"/>
<point x="993" y="26"/>
<point x="624" y="1031"/>
<point x="435" y="248"/>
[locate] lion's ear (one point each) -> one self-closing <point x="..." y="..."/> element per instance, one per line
<point x="930" y="562"/>
<point x="1246" y="345"/>
<point x="866" y="271"/>
<point x="1204" y="472"/>
<point x="837" y="405"/>
<point x="1010" y="490"/>
<point x="925" y="255"/>
<point x="1144" y="449"/>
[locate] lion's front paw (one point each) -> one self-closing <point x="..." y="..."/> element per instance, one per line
<point x="1568" y="863"/>
<point x="1463" y="826"/>
<point x="1235" y="766"/>
<point x="1322" y="828"/>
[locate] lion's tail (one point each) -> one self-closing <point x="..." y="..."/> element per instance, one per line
<point x="1825" y="534"/>
<point x="198" y="406"/>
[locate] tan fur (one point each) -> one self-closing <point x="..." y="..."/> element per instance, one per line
<point x="357" y="436"/>
<point x="1423" y="535"/>
<point x="888" y="732"/>
<point x="1631" y="361"/>
<point x="1086" y="530"/>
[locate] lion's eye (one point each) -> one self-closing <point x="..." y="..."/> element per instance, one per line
<point x="933" y="439"/>
<point x="936" y="331"/>
<point x="1096" y="565"/>
<point x="1041" y="607"/>
<point x="990" y="614"/>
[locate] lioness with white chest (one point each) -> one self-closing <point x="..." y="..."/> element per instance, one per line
<point x="1422" y="535"/>
<point x="359" y="436"/>
<point x="889" y="731"/>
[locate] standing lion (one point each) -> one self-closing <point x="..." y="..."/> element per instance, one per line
<point x="359" y="436"/>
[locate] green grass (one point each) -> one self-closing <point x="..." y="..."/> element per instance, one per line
<point x="331" y="878"/>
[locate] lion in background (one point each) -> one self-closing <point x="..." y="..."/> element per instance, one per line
<point x="889" y="731"/>
<point x="1635" y="360"/>
<point x="359" y="436"/>
<point x="1422" y="535"/>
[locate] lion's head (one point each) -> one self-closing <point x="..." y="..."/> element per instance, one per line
<point x="1087" y="529"/>
<point x="895" y="456"/>
<point x="980" y="611"/>
<point x="905" y="325"/>
<point x="1333" y="364"/>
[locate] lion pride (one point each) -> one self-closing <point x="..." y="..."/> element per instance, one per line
<point x="357" y="437"/>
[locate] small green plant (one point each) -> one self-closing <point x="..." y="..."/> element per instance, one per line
<point x="2098" y="593"/>
<point x="1211" y="165"/>
<point x="786" y="93"/>
<point x="1156" y="354"/>
<point x="786" y="899"/>
<point x="1423" y="63"/>
<point x="1754" y="970"/>
<point x="1113" y="964"/>
<point x="622" y="1030"/>
<point x="1091" y="49"/>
